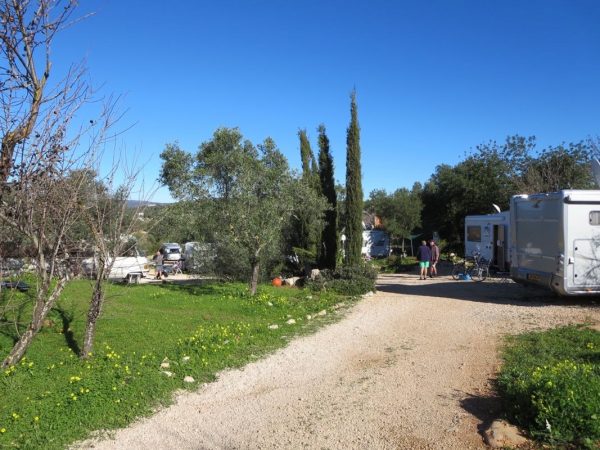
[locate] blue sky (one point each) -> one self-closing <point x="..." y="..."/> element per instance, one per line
<point x="433" y="79"/>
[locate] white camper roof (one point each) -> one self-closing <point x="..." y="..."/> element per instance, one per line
<point x="570" y="195"/>
<point x="502" y="217"/>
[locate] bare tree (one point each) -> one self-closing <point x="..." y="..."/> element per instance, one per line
<point x="39" y="147"/>
<point x="111" y="223"/>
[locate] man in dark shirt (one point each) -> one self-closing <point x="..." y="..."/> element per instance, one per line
<point x="435" y="257"/>
<point x="424" y="256"/>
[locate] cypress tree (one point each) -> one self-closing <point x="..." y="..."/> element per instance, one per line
<point x="306" y="153"/>
<point x="304" y="233"/>
<point x="328" y="247"/>
<point x="310" y="169"/>
<point x="354" y="194"/>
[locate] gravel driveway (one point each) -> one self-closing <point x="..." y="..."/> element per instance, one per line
<point x="408" y="368"/>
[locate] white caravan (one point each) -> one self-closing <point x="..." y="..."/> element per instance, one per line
<point x="487" y="235"/>
<point x="376" y="244"/>
<point x="129" y="267"/>
<point x="555" y="240"/>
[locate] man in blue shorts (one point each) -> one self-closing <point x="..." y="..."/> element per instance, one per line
<point x="424" y="256"/>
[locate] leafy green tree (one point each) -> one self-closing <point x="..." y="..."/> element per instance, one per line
<point x="248" y="191"/>
<point x="400" y="211"/>
<point x="176" y="174"/>
<point x="328" y="247"/>
<point x="493" y="173"/>
<point x="354" y="192"/>
<point x="561" y="167"/>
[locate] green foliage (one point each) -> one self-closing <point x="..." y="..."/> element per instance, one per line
<point x="396" y="264"/>
<point x="52" y="398"/>
<point x="310" y="171"/>
<point x="175" y="172"/>
<point x="329" y="242"/>
<point x="400" y="211"/>
<point x="345" y="280"/>
<point x="354" y="192"/>
<point x="550" y="383"/>
<point x="245" y="193"/>
<point x="493" y="173"/>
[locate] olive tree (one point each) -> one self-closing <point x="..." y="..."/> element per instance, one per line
<point x="246" y="192"/>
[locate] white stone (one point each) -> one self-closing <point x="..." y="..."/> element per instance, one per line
<point x="165" y="365"/>
<point x="322" y="313"/>
<point x="185" y="358"/>
<point x="501" y="434"/>
<point x="291" y="322"/>
<point x="269" y="303"/>
<point x="315" y="273"/>
<point x="273" y="327"/>
<point x="167" y="373"/>
<point x="188" y="379"/>
<point x="308" y="317"/>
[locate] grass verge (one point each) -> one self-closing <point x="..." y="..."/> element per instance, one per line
<point x="149" y="338"/>
<point x="550" y="382"/>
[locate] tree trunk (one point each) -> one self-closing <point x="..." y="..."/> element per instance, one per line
<point x="255" y="272"/>
<point x="92" y="318"/>
<point x="40" y="311"/>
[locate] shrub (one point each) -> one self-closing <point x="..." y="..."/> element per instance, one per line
<point x="398" y="264"/>
<point x="551" y="384"/>
<point x="355" y="280"/>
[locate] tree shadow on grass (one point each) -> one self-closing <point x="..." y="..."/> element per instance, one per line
<point x="67" y="318"/>
<point x="197" y="286"/>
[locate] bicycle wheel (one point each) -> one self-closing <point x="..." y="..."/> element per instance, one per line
<point x="479" y="273"/>
<point x="457" y="271"/>
<point x="475" y="273"/>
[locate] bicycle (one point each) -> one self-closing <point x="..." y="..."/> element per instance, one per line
<point x="476" y="267"/>
<point x="459" y="269"/>
<point x="481" y="268"/>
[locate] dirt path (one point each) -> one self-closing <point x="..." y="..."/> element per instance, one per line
<point x="408" y="368"/>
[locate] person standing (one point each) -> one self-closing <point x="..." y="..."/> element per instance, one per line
<point x="424" y="257"/>
<point x="158" y="260"/>
<point x="435" y="257"/>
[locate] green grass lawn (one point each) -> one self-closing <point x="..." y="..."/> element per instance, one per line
<point x="52" y="398"/>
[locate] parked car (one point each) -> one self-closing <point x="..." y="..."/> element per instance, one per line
<point x="131" y="266"/>
<point x="171" y="251"/>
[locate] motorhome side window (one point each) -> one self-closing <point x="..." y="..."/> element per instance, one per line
<point x="594" y="217"/>
<point x="474" y="233"/>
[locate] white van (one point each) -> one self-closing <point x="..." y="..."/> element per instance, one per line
<point x="171" y="251"/>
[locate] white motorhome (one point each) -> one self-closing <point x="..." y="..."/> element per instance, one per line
<point x="555" y="240"/>
<point x="487" y="235"/>
<point x="376" y="244"/>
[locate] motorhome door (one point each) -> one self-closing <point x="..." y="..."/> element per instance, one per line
<point x="586" y="255"/>
<point x="500" y="247"/>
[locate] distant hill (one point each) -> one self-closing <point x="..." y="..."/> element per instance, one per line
<point x="138" y="203"/>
